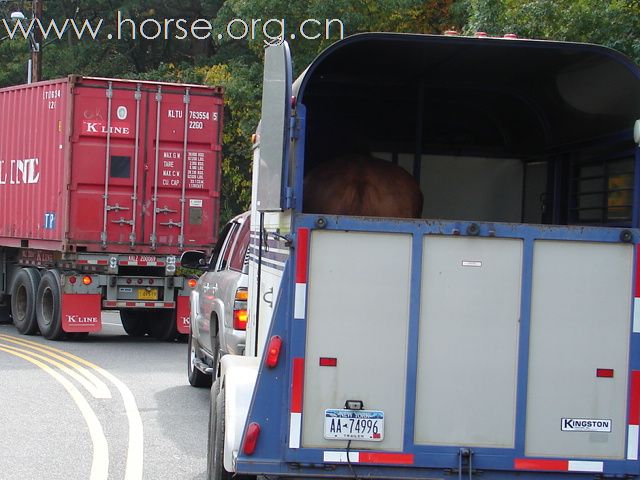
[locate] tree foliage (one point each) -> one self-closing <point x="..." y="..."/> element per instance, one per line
<point x="232" y="57"/>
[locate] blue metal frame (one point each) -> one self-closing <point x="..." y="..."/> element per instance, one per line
<point x="271" y="402"/>
<point x="273" y="388"/>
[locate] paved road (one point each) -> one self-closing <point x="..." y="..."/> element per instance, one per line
<point x="107" y="407"/>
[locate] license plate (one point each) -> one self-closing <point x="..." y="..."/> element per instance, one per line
<point x="144" y="294"/>
<point x="342" y="424"/>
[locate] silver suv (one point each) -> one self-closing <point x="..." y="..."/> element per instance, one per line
<point x="219" y="302"/>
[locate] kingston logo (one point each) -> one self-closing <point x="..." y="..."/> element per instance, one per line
<point x="586" y="425"/>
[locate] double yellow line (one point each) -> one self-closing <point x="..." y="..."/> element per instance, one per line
<point x="57" y="362"/>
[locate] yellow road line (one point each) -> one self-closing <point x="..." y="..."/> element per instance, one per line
<point x="88" y="380"/>
<point x="135" y="452"/>
<point x="100" y="462"/>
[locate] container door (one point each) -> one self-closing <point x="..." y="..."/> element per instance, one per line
<point x="183" y="155"/>
<point x="106" y="166"/>
<point x="274" y="129"/>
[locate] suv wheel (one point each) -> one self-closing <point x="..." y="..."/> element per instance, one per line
<point x="196" y="377"/>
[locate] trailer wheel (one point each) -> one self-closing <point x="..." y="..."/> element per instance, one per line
<point x="23" y="300"/>
<point x="48" y="306"/>
<point x="196" y="377"/>
<point x="164" y="326"/>
<point x="215" y="450"/>
<point x="134" y="323"/>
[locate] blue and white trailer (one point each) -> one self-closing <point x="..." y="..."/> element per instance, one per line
<point x="497" y="337"/>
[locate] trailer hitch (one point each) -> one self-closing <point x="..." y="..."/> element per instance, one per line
<point x="465" y="459"/>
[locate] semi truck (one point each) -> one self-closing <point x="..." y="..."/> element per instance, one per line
<point x="496" y="337"/>
<point x="103" y="183"/>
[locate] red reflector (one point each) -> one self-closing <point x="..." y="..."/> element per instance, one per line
<point x="328" y="362"/>
<point x="251" y="438"/>
<point x="604" y="372"/>
<point x="273" y="352"/>
<point x="72" y="280"/>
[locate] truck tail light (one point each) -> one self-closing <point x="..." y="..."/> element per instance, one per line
<point x="86" y="280"/>
<point x="273" y="352"/>
<point x="251" y="438"/>
<point x="192" y="282"/>
<point x="240" y="314"/>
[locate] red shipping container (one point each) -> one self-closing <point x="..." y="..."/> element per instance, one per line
<point x="106" y="165"/>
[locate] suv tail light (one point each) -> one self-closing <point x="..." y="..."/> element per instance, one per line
<point x="240" y="315"/>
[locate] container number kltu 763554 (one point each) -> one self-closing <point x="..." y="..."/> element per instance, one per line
<point x="104" y="183"/>
<point x="450" y="290"/>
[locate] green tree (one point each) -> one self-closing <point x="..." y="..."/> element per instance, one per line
<point x="615" y="24"/>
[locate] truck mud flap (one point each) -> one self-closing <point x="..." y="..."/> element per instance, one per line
<point x="81" y="312"/>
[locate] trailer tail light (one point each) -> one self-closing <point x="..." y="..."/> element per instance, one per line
<point x="240" y="314"/>
<point x="192" y="282"/>
<point x="86" y="280"/>
<point x="251" y="438"/>
<point x="273" y="352"/>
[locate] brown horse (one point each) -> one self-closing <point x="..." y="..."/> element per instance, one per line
<point x="362" y="186"/>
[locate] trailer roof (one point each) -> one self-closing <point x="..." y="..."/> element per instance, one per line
<point x="535" y="93"/>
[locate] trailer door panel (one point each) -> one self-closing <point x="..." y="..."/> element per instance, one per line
<point x="578" y="358"/>
<point x="468" y="347"/>
<point x="357" y="314"/>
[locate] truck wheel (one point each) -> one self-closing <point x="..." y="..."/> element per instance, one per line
<point x="23" y="300"/>
<point x="134" y="322"/>
<point x="164" y="327"/>
<point x="215" y="450"/>
<point x="48" y="306"/>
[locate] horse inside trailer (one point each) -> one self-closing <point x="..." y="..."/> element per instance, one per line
<point x="490" y="132"/>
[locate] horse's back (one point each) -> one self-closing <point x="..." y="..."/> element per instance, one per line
<point x="362" y="186"/>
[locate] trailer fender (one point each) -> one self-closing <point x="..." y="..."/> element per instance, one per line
<point x="239" y="375"/>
